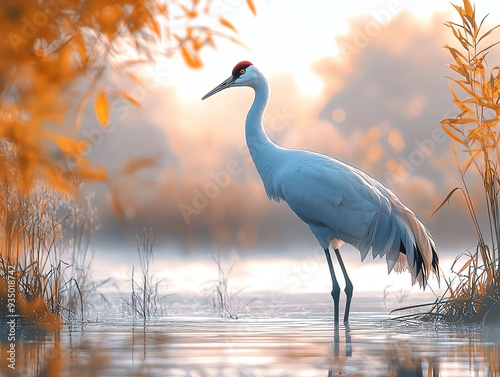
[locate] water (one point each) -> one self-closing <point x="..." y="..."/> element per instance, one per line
<point x="275" y="336"/>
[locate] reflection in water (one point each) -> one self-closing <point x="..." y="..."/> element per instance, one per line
<point x="302" y="341"/>
<point x="336" y="347"/>
<point x="401" y="361"/>
<point x="336" y="341"/>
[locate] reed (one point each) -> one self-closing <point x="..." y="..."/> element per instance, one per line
<point x="473" y="288"/>
<point x="145" y="298"/>
<point x="38" y="257"/>
<point x="226" y="302"/>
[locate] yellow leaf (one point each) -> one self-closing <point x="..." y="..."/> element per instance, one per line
<point x="467" y="163"/>
<point x="475" y="95"/>
<point x="486" y="33"/>
<point x="454" y="152"/>
<point x="468" y="8"/>
<point x="129" y="98"/>
<point x="455" y="53"/>
<point x="227" y="24"/>
<point x="464" y="120"/>
<point x="102" y="108"/>
<point x="93" y="175"/>
<point x="251" y="5"/>
<point x="138" y="163"/>
<point x="452" y="135"/>
<point x="454" y="94"/>
<point x="191" y="59"/>
<point x="460" y="10"/>
<point x="153" y="24"/>
<point x="450" y="123"/>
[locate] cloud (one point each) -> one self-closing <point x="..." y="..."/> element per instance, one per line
<point x="380" y="111"/>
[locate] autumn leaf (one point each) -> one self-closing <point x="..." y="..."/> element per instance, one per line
<point x="191" y="59"/>
<point x="467" y="163"/>
<point x="129" y="98"/>
<point x="463" y="120"/>
<point x="227" y="24"/>
<point x="468" y="8"/>
<point x="136" y="164"/>
<point x="452" y="135"/>
<point x="486" y="33"/>
<point x="251" y="5"/>
<point x="102" y="108"/>
<point x="92" y="172"/>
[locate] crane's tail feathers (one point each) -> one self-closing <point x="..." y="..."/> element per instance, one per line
<point x="419" y="251"/>
<point x="420" y="269"/>
<point x="405" y="242"/>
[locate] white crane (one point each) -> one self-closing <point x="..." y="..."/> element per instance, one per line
<point x="340" y="203"/>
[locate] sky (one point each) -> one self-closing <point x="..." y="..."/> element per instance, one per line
<point x="363" y="81"/>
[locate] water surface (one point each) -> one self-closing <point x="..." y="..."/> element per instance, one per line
<point x="273" y="336"/>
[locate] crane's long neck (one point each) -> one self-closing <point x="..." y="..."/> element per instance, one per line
<point x="264" y="152"/>
<point x="257" y="138"/>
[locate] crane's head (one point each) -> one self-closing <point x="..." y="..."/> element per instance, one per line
<point x="243" y="75"/>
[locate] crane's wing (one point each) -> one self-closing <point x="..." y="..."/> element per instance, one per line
<point x="340" y="202"/>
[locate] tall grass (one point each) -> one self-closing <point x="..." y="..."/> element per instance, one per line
<point x="145" y="298"/>
<point x="222" y="297"/>
<point x="80" y="284"/>
<point x="47" y="264"/>
<point x="224" y="300"/>
<point x="474" y="137"/>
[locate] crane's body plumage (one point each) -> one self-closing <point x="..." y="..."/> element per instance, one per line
<point x="341" y="204"/>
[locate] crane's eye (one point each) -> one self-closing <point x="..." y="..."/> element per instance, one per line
<point x="242" y="71"/>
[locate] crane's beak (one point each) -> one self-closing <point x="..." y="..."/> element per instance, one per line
<point x="224" y="85"/>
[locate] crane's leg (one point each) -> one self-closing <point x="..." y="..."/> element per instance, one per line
<point x="348" y="286"/>
<point x="335" y="287"/>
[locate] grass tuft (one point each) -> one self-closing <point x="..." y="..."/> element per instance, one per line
<point x="43" y="254"/>
<point x="224" y="301"/>
<point x="473" y="289"/>
<point x="145" y="299"/>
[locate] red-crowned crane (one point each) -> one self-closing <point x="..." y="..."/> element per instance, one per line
<point x="340" y="203"/>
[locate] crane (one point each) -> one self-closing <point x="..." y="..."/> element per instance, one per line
<point x="340" y="203"/>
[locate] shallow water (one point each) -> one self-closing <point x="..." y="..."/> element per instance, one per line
<point x="285" y="336"/>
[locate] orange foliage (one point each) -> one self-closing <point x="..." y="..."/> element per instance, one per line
<point x="474" y="138"/>
<point x="49" y="46"/>
<point x="102" y="108"/>
<point x="54" y="54"/>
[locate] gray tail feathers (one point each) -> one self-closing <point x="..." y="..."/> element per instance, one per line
<point x="405" y="242"/>
<point x="417" y="250"/>
<point x="421" y="266"/>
